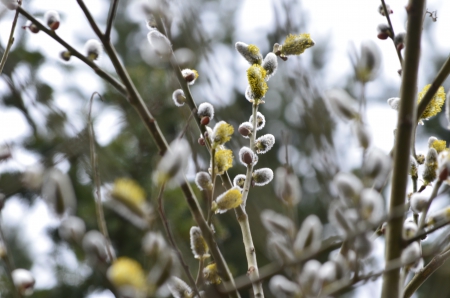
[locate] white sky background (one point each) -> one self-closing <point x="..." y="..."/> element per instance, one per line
<point x="337" y="22"/>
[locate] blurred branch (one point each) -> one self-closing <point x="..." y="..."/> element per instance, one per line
<point x="406" y="122"/>
<point x="388" y="18"/>
<point x="10" y="40"/>
<point x="433" y="195"/>
<point x="137" y="102"/>
<point x="74" y="52"/>
<point x="96" y="177"/>
<point x="9" y="266"/>
<point x="426" y="272"/>
<point x="437" y="82"/>
<point x="423" y="234"/>
<point x="172" y="241"/>
<point x="111" y="16"/>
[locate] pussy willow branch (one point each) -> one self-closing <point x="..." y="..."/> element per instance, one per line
<point x="137" y="102"/>
<point x="10" y="40"/>
<point x="424" y="233"/>
<point x="154" y="130"/>
<point x="328" y="245"/>
<point x="253" y="271"/>
<point x="241" y="214"/>
<point x="388" y="18"/>
<point x="163" y="216"/>
<point x="111" y="16"/>
<point x="425" y="272"/>
<point x="405" y="124"/>
<point x="96" y="177"/>
<point x="116" y="84"/>
<point x="433" y="195"/>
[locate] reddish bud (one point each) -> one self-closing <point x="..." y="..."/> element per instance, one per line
<point x="383" y="36"/>
<point x="244" y="131"/>
<point x="54" y="25"/>
<point x="201" y="141"/>
<point x="204" y="120"/>
<point x="400" y="47"/>
<point x="443" y="174"/>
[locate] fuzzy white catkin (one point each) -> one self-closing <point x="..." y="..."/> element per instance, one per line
<point x="179" y="288"/>
<point x="287" y="187"/>
<point x="309" y="280"/>
<point x="173" y="164"/>
<point x="363" y="245"/>
<point x="203" y="180"/>
<point x="394" y="102"/>
<point x="93" y="49"/>
<point x="282" y="287"/>
<point x="153" y="244"/>
<point x="206" y="109"/>
<point x="348" y="186"/>
<point x="72" y="228"/>
<point x="23" y="281"/>
<point x="409" y="229"/>
<point x="339" y="219"/>
<point x="264" y="143"/>
<point x="368" y="65"/>
<point x="309" y="236"/>
<point x="178" y="97"/>
<point x="418" y="202"/>
<point x="377" y="166"/>
<point x="260" y="121"/>
<point x="278" y="249"/>
<point x="270" y="64"/>
<point x="328" y="272"/>
<point x="94" y="245"/>
<point x="431" y="140"/>
<point x="247" y="156"/>
<point x="372" y="205"/>
<point x="262" y="176"/>
<point x="277" y="223"/>
<point x="58" y="191"/>
<point x="239" y="181"/>
<point x="245" y="129"/>
<point x="411" y="254"/>
<point x="342" y="104"/>
<point x="160" y="44"/>
<point x="252" y="58"/>
<point x="363" y="134"/>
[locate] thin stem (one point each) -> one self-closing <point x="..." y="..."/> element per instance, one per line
<point x="388" y="18"/>
<point x="413" y="144"/>
<point x="426" y="272"/>
<point x="111" y="16"/>
<point x="96" y="177"/>
<point x="10" y="40"/>
<point x="424" y="233"/>
<point x="427" y="207"/>
<point x="199" y="279"/>
<point x="405" y="124"/>
<point x="8" y="263"/>
<point x="172" y="240"/>
<point x="213" y="175"/>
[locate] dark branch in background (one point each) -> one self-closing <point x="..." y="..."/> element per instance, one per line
<point x="111" y="16"/>
<point x="10" y="40"/>
<point x="116" y="84"/>
<point x="388" y="18"/>
<point x="9" y="264"/>
<point x="172" y="241"/>
<point x="402" y="147"/>
<point x="96" y="177"/>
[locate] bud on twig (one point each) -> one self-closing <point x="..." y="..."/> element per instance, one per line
<point x="239" y="181"/>
<point x="228" y="200"/>
<point x="198" y="244"/>
<point x="51" y="18"/>
<point x="203" y="181"/>
<point x="245" y="129"/>
<point x="205" y="112"/>
<point x="251" y="52"/>
<point x="270" y="64"/>
<point x="23" y="281"/>
<point x="93" y="48"/>
<point x="264" y="143"/>
<point x="260" y="121"/>
<point x="178" y="97"/>
<point x="309" y="236"/>
<point x="247" y="156"/>
<point x="262" y="176"/>
<point x="190" y="75"/>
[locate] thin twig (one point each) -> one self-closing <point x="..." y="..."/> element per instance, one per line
<point x="186" y="126"/>
<point x="9" y="263"/>
<point x="214" y="175"/>
<point x="388" y="18"/>
<point x="111" y="16"/>
<point x="172" y="240"/>
<point x="426" y="272"/>
<point x="10" y="40"/>
<point x="424" y="233"/>
<point x="96" y="177"/>
<point x="405" y="124"/>
<point x="433" y="195"/>
<point x="116" y="84"/>
<point x="199" y="279"/>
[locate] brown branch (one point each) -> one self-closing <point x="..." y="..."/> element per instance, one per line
<point x="388" y="18"/>
<point x="116" y="84"/>
<point x="10" y="40"/>
<point x="162" y="214"/>
<point x="406" y="121"/>
<point x="111" y="16"/>
<point x="96" y="177"/>
<point x="426" y="272"/>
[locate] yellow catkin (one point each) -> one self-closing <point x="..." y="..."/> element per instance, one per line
<point x="296" y="44"/>
<point x="228" y="200"/>
<point x="439" y="145"/>
<point x="223" y="160"/>
<point x="126" y="272"/>
<point x="128" y="192"/>
<point x="435" y="104"/>
<point x="222" y="133"/>
<point x="211" y="274"/>
<point x="256" y="79"/>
